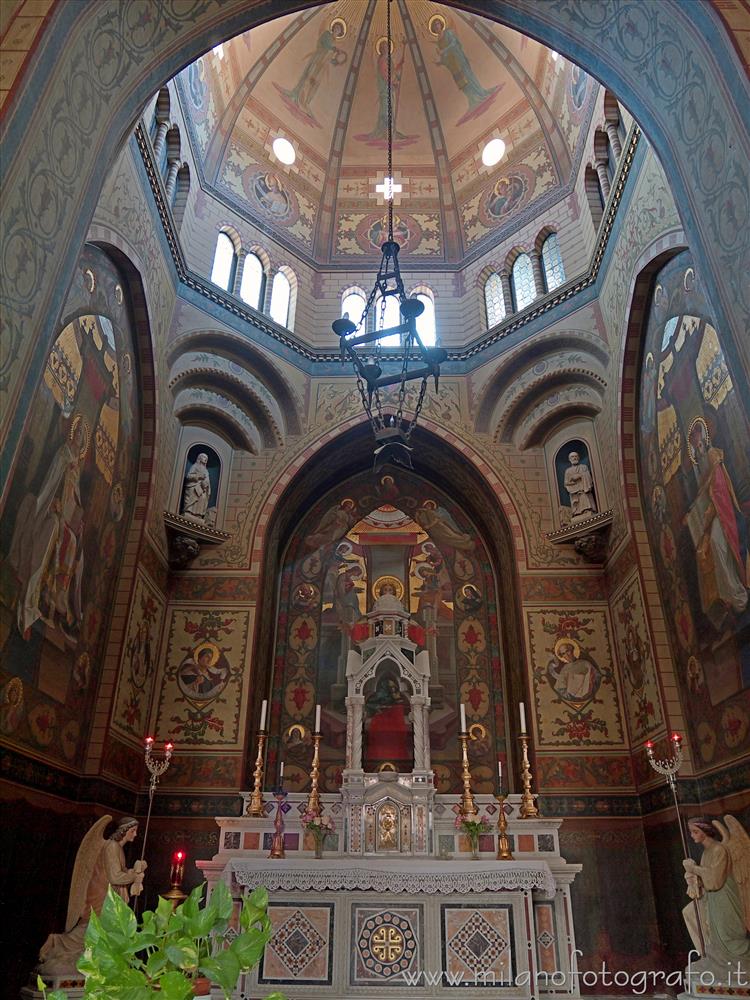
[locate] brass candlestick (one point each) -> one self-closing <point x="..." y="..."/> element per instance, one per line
<point x="503" y="845"/>
<point x="255" y="805"/>
<point x="528" y="806"/>
<point x="468" y="807"/>
<point x="175" y="895"/>
<point x="277" y="844"/>
<point x="313" y="799"/>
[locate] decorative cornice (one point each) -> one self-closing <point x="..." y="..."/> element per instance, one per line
<point x="260" y="321"/>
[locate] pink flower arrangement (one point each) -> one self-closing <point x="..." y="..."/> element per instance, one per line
<point x="319" y="825"/>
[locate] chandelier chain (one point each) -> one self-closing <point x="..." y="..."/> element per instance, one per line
<point x="389" y="175"/>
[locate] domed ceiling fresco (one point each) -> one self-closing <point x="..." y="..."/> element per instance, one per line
<point x="318" y="79"/>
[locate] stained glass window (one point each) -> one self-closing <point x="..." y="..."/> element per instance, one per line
<point x="524" y="290"/>
<point x="494" y="299"/>
<point x="554" y="272"/>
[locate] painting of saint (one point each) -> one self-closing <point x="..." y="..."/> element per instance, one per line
<point x="203" y="675"/>
<point x="574" y="676"/>
<point x="272" y="197"/>
<point x="46" y="552"/>
<point x="441" y="527"/>
<point x="695" y="467"/>
<point x="378" y="137"/>
<point x="578" y="82"/>
<point x="315" y="72"/>
<point x="388" y="731"/>
<point x="719" y="531"/>
<point x="505" y="196"/>
<point x="451" y="55"/>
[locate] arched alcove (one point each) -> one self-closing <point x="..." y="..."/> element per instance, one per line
<point x="320" y="567"/>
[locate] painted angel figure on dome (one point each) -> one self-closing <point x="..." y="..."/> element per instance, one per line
<point x="100" y="863"/>
<point x="720" y="885"/>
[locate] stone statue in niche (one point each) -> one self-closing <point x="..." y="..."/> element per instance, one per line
<point x="720" y="886"/>
<point x="196" y="491"/>
<point x="580" y="486"/>
<point x="99" y="864"/>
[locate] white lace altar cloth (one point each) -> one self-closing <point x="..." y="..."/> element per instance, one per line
<point x="393" y="875"/>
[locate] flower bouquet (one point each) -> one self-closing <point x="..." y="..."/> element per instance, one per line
<point x="473" y="827"/>
<point x="319" y="827"/>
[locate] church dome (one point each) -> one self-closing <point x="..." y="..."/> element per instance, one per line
<point x="316" y="80"/>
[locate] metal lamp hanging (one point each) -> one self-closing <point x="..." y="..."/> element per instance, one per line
<point x="392" y="430"/>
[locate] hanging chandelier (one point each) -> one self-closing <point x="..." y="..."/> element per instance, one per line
<point x="362" y="342"/>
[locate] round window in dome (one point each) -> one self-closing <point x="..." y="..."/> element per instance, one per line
<point x="283" y="150"/>
<point x="493" y="152"/>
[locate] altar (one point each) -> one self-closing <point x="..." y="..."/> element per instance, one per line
<point x="414" y="889"/>
<point x="346" y="925"/>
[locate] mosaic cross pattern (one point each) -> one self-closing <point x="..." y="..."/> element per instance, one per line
<point x="387" y="944"/>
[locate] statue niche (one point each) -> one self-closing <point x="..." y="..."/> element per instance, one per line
<point x="200" y="488"/>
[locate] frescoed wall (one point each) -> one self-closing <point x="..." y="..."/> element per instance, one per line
<point x="695" y="475"/>
<point x="69" y="503"/>
<point x="399" y="532"/>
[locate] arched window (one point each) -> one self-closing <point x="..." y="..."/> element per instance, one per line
<point x="522" y="281"/>
<point x="388" y="317"/>
<point x="426" y="322"/>
<point x="353" y="305"/>
<point x="251" y="287"/>
<point x="554" y="272"/>
<point x="225" y="262"/>
<point x="494" y="300"/>
<point x="281" y="294"/>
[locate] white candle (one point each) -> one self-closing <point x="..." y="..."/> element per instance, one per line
<point x="463" y="718"/>
<point x="263" y="710"/>
<point x="522" y="709"/>
<point x="281" y="771"/>
<point x="317" y="718"/>
<point x="500" y="771"/>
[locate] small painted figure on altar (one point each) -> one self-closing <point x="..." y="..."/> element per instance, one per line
<point x="389" y="735"/>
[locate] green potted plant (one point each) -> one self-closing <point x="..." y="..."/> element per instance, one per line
<point x="170" y="951"/>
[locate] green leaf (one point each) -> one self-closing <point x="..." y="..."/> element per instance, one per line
<point x="224" y="969"/>
<point x="250" y="915"/>
<point x="248" y="948"/>
<point x="259" y="897"/>
<point x="183" y="954"/>
<point x="276" y="996"/>
<point x="175" y="986"/>
<point x="221" y="901"/>
<point x="117" y="918"/>
<point x="164" y="911"/>
<point x="156" y="963"/>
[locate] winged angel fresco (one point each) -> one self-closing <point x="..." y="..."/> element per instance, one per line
<point x="718" y="919"/>
<point x="100" y="863"/>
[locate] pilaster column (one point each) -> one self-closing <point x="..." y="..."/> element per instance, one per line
<point x="354" y="710"/>
<point x="614" y="137"/>
<point x="241" y="255"/>
<point x="507" y="294"/>
<point x="160" y="138"/>
<point x="601" y="172"/>
<point x="536" y="267"/>
<point x="418" y="725"/>
<point x="174" y="166"/>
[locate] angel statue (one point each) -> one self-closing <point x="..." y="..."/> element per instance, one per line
<point x="720" y="885"/>
<point x="100" y="863"/>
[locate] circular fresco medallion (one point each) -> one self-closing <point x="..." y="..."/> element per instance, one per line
<point x="393" y="582"/>
<point x="42" y="723"/>
<point x="572" y="673"/>
<point x="306" y="596"/>
<point x="203" y="674"/>
<point x="372" y="232"/>
<point x="506" y="196"/>
<point x="733" y="726"/>
<point x="268" y="193"/>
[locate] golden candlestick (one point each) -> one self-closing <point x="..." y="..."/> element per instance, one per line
<point x="468" y="807"/>
<point x="313" y="799"/>
<point x="503" y="845"/>
<point x="255" y="805"/>
<point x="528" y="806"/>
